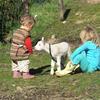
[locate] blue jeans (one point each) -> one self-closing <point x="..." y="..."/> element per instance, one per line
<point x="85" y="66"/>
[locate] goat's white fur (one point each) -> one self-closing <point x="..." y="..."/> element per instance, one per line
<point x="57" y="50"/>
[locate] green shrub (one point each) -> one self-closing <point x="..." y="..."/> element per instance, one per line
<point x="10" y="11"/>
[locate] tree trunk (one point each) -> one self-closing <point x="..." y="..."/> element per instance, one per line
<point x="25" y="7"/>
<point x="62" y="9"/>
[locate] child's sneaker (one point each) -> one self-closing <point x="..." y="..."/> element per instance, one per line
<point x="62" y="73"/>
<point x="16" y="74"/>
<point x="71" y="67"/>
<point x="68" y="69"/>
<point x="26" y="75"/>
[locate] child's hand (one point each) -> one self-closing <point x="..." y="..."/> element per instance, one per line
<point x="20" y="45"/>
<point x="33" y="50"/>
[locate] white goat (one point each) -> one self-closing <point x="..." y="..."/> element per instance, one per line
<point x="55" y="50"/>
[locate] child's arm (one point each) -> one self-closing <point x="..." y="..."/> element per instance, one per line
<point x="28" y="44"/>
<point x="79" y="50"/>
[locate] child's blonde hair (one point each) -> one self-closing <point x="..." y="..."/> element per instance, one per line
<point x="27" y="19"/>
<point x="89" y="34"/>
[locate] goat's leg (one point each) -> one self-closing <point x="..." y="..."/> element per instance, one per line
<point x="58" y="63"/>
<point x="52" y="67"/>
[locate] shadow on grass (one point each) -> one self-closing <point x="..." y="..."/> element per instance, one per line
<point x="77" y="71"/>
<point x="65" y="14"/>
<point x="40" y="70"/>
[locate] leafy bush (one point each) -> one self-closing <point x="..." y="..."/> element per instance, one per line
<point x="10" y="11"/>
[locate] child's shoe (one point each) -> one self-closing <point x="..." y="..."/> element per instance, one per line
<point x="62" y="73"/>
<point x="71" y="67"/>
<point x="16" y="74"/>
<point x="68" y="69"/>
<point x="26" y="75"/>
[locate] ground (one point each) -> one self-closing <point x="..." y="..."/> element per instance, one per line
<point x="80" y="86"/>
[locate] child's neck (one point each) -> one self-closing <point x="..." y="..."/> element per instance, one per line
<point x="25" y="28"/>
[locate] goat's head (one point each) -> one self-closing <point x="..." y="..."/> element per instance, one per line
<point x="40" y="45"/>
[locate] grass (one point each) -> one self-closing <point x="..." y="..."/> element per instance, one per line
<point x="80" y="15"/>
<point x="80" y="86"/>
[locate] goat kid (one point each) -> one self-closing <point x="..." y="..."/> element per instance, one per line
<point x="56" y="50"/>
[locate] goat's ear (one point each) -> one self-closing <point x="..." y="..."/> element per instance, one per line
<point x="42" y="39"/>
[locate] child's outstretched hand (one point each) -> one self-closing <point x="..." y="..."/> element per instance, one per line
<point x="33" y="49"/>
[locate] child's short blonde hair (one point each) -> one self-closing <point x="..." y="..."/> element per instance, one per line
<point x="89" y="34"/>
<point x="27" y="19"/>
